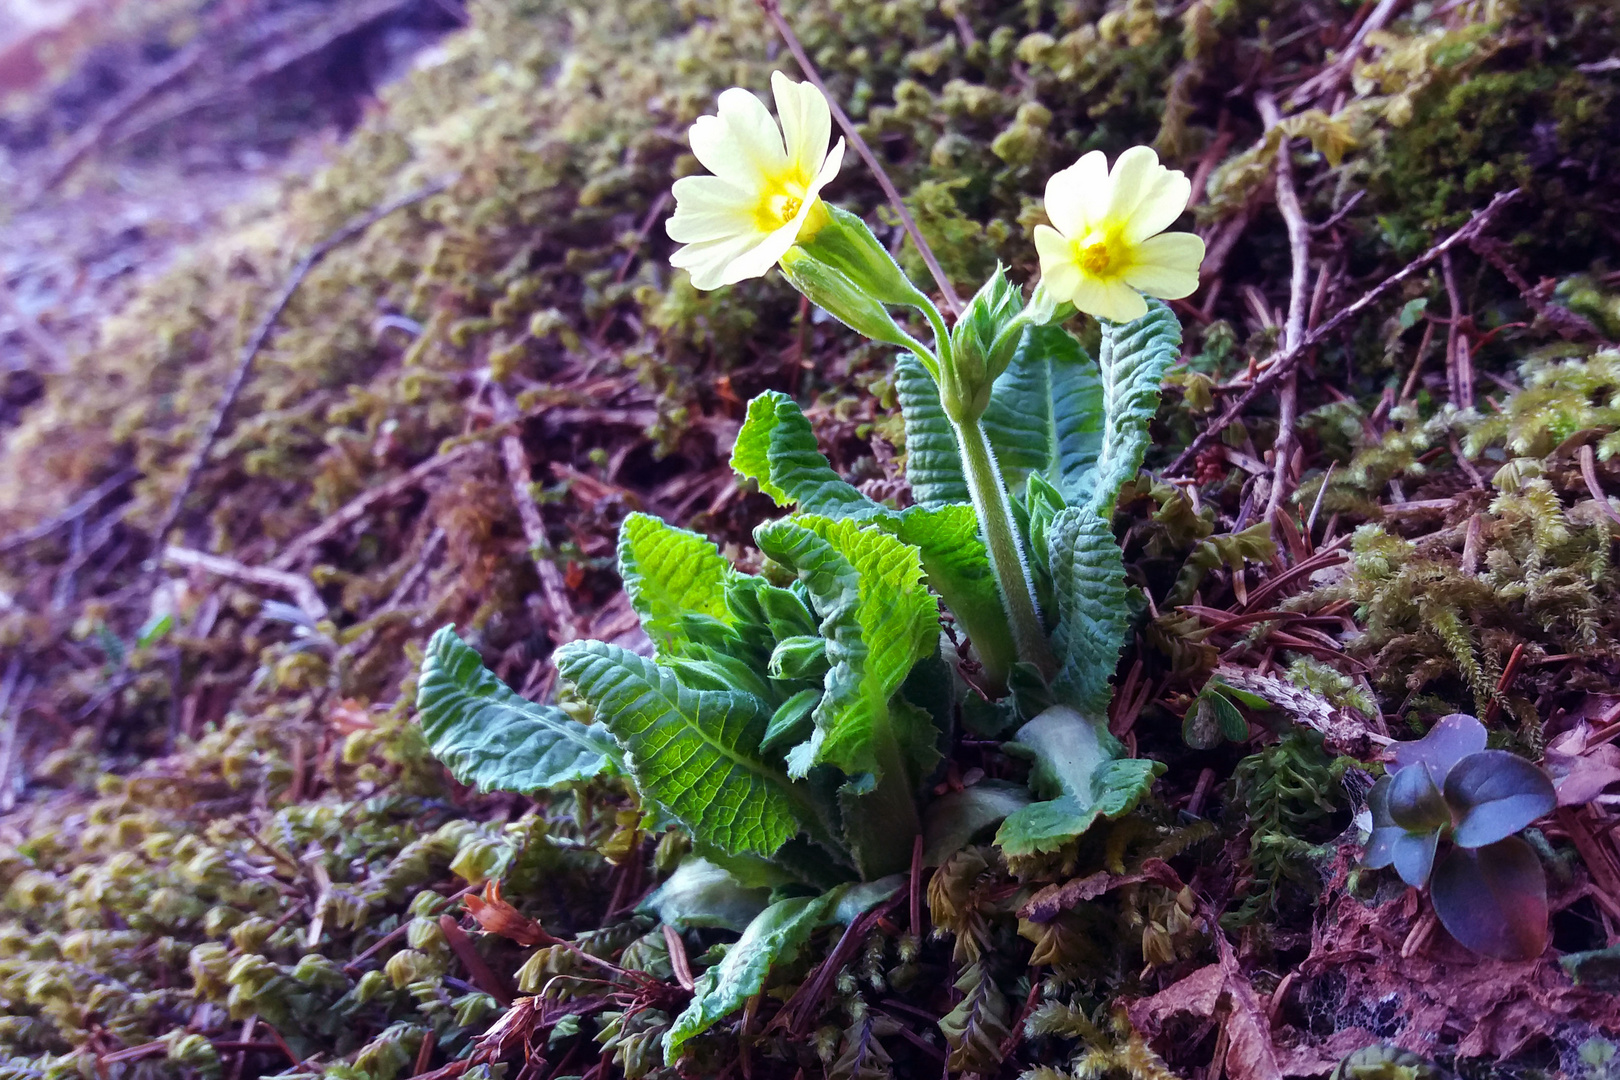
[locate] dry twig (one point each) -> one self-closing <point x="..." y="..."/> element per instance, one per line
<point x="518" y="476"/>
<point x="1299" y="248"/>
<point x="357" y="508"/>
<point x="301" y="589"/>
<point x="1291" y="357"/>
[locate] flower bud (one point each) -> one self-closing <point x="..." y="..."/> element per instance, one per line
<point x="846" y="245"/>
<point x="802" y="657"/>
<point x="839" y="296"/>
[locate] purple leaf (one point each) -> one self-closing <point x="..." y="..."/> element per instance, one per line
<point x="1494" y="899"/>
<point x="1451" y="739"/>
<point x="1414" y="856"/>
<point x="1494" y="794"/>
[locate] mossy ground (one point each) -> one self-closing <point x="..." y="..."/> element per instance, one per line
<point x="238" y="820"/>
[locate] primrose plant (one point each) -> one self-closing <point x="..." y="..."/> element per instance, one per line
<point x="790" y="721"/>
<point x="1488" y="889"/>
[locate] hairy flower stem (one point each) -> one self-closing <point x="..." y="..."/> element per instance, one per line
<point x="990" y="503"/>
<point x="882" y="824"/>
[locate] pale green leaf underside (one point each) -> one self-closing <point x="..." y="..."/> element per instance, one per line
<point x="1088" y="578"/>
<point x="1079" y="771"/>
<point x="669" y="573"/>
<point x="700" y="893"/>
<point x="775" y="936"/>
<point x="877" y="619"/>
<point x="493" y="739"/>
<point x="1133" y="359"/>
<point x="695" y="752"/>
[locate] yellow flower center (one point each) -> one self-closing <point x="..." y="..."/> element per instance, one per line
<point x="1105" y="256"/>
<point x="780" y="203"/>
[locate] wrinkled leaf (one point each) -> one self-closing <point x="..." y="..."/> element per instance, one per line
<point x="775" y="936"/>
<point x="958" y="566"/>
<point x="1493" y="899"/>
<point x="493" y="739"/>
<point x="933" y="459"/>
<point x="1088" y="578"/>
<point x="693" y="751"/>
<point x="1494" y="794"/>
<point x="777" y="447"/>
<point x="670" y="575"/>
<point x="1133" y="359"/>
<point x="877" y="620"/>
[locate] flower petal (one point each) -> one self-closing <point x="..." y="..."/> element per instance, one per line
<point x="709" y="208"/>
<point x="806" y="122"/>
<point x="829" y="170"/>
<point x="1162" y="202"/>
<point x="1111" y="300"/>
<point x="1077" y="197"/>
<point x="1134" y="172"/>
<point x="1059" y="271"/>
<point x="1166" y="265"/>
<point x="715" y="262"/>
<point x="742" y="143"/>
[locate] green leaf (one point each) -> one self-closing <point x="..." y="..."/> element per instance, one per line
<point x="778" y="448"/>
<point x="1411" y="853"/>
<point x="493" y="739"/>
<point x="933" y="459"/>
<point x="670" y="575"/>
<point x="1133" y="359"/>
<point x="877" y="618"/>
<point x="1078" y="769"/>
<point x="1494" y="794"/>
<point x="1046" y="412"/>
<point x="958" y="566"/>
<point x="695" y="752"/>
<point x="1494" y="899"/>
<point x="791" y="722"/>
<point x="700" y="893"/>
<point x="774" y="937"/>
<point x="1088" y="578"/>
<point x="1213" y="719"/>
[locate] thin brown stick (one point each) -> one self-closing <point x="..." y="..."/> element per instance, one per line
<point x="357" y="508"/>
<point x="1299" y="248"/>
<point x="773" y="12"/>
<point x="552" y="586"/>
<point x="1290" y="358"/>
<point x="261" y="335"/>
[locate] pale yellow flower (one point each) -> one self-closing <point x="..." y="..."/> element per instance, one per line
<point x="1107" y="243"/>
<point x="766" y="186"/>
